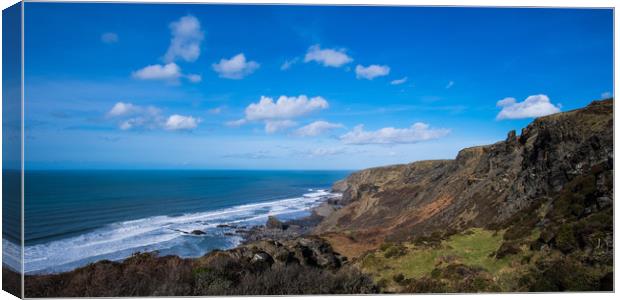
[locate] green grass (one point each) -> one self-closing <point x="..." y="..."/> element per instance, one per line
<point x="473" y="248"/>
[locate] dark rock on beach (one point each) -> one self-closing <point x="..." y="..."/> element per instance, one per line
<point x="274" y="223"/>
<point x="224" y="226"/>
<point x="290" y="229"/>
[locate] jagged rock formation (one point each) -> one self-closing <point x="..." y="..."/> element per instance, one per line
<point x="484" y="186"/>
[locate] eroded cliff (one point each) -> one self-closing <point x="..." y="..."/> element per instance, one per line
<point x="484" y="186"/>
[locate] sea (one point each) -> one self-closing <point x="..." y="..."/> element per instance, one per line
<point x="73" y="217"/>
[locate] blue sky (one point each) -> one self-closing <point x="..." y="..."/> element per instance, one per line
<point x="297" y="87"/>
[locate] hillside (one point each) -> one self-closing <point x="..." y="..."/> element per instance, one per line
<point x="531" y="213"/>
<point x="484" y="186"/>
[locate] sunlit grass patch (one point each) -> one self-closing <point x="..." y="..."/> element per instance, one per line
<point x="475" y="248"/>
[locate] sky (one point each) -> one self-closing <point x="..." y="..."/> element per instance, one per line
<point x="177" y="86"/>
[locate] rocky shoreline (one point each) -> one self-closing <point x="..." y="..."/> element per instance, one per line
<point x="275" y="229"/>
<point x="268" y="256"/>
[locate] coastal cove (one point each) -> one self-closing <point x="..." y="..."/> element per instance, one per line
<point x="79" y="217"/>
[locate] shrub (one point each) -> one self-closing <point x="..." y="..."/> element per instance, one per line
<point x="565" y="239"/>
<point x="297" y="280"/>
<point x="395" y="251"/>
<point x="454" y="278"/>
<point x="560" y="274"/>
<point x="507" y="248"/>
<point x="432" y="240"/>
<point x="426" y="285"/>
<point x="398" y="278"/>
<point x="211" y="282"/>
<point x="385" y="246"/>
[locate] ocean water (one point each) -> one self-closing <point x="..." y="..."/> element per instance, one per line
<point x="76" y="217"/>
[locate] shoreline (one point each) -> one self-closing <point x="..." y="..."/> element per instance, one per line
<point x="276" y="229"/>
<point x="288" y="233"/>
<point x="242" y="234"/>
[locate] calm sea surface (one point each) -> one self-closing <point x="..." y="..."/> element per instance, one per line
<point x="76" y="217"/>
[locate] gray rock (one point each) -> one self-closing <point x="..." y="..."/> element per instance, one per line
<point x="274" y="223"/>
<point x="262" y="257"/>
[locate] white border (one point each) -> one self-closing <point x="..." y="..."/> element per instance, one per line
<point x="494" y="3"/>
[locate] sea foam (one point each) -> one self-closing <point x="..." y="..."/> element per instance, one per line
<point x="165" y="234"/>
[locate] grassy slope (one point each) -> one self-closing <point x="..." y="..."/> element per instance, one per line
<point x="475" y="248"/>
<point x="572" y="250"/>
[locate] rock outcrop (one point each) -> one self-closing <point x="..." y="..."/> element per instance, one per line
<point x="274" y="223"/>
<point x="268" y="267"/>
<point x="484" y="186"/>
<point x="308" y="251"/>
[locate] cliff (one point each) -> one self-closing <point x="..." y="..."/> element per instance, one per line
<point x="485" y="186"/>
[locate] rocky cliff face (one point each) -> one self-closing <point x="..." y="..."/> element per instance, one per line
<point x="484" y="186"/>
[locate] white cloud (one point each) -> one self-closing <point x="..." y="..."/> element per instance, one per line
<point x="145" y="121"/>
<point x="272" y="126"/>
<point x="131" y="116"/>
<point x="109" y="38"/>
<point x="508" y="101"/>
<point x="450" y="84"/>
<point x="278" y="115"/>
<point x="126" y="125"/>
<point x="134" y="116"/>
<point x="284" y="108"/>
<point x="317" y="128"/>
<point x="122" y="108"/>
<point x="184" y="45"/>
<point x="398" y="81"/>
<point x="236" y="123"/>
<point x="371" y="71"/>
<point x="327" y="57"/>
<point x="260" y="154"/>
<point x="532" y="107"/>
<point x="185" y="41"/>
<point x="289" y="63"/>
<point x="179" y="122"/>
<point x="169" y="71"/>
<point x="606" y="95"/>
<point x="418" y="132"/>
<point x="236" y="67"/>
<point x="195" y="78"/>
<point x="326" y="152"/>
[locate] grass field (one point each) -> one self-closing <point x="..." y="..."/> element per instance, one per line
<point x="474" y="247"/>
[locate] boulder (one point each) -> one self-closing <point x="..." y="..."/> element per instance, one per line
<point x="262" y="257"/>
<point x="274" y="223"/>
